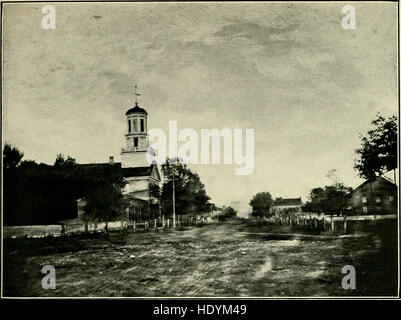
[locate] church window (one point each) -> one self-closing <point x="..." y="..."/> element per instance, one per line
<point x="135" y="125"/>
<point x="135" y="142"/>
<point x="129" y="125"/>
<point x="142" y="125"/>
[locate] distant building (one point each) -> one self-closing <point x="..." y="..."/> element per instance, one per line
<point x="289" y="205"/>
<point x="377" y="197"/>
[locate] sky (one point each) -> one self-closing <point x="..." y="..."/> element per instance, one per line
<point x="289" y="71"/>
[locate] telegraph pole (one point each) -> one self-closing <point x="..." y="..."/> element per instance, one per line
<point x="173" y="199"/>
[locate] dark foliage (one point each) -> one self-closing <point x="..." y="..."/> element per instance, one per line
<point x="44" y="194"/>
<point x="330" y="199"/>
<point x="261" y="204"/>
<point x="228" y="212"/>
<point x="378" y="152"/>
<point x="190" y="194"/>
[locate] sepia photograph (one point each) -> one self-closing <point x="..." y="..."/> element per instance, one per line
<point x="171" y="150"/>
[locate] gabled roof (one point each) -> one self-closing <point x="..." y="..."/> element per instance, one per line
<point x="288" y="202"/>
<point x="127" y="172"/>
<point x="378" y="179"/>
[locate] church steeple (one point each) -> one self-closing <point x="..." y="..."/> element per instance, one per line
<point x="136" y="135"/>
<point x="136" y="127"/>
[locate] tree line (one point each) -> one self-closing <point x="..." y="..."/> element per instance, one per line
<point x="37" y="193"/>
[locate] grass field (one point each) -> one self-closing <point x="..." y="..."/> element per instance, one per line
<point x="233" y="259"/>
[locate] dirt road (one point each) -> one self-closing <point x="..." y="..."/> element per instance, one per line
<point x="209" y="261"/>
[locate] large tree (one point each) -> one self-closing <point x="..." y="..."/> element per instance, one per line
<point x="44" y="194"/>
<point x="378" y="152"/>
<point x="261" y="204"/>
<point x="330" y="199"/>
<point x="190" y="193"/>
<point x="103" y="194"/>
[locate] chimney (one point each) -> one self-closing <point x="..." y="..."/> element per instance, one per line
<point x="111" y="160"/>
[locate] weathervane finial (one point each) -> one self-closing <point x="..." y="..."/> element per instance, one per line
<point x="136" y="95"/>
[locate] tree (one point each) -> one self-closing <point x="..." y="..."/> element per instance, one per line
<point x="228" y="212"/>
<point x="378" y="152"/>
<point x="11" y="156"/>
<point x="261" y="204"/>
<point x="190" y="193"/>
<point x="44" y="194"/>
<point x="337" y="198"/>
<point x="331" y="200"/>
<point x="61" y="162"/>
<point x="317" y="199"/>
<point x="104" y="197"/>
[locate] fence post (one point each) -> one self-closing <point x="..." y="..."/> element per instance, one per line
<point x="332" y="223"/>
<point x="155" y="224"/>
<point x="345" y="224"/>
<point x="134" y="225"/>
<point x="324" y="222"/>
<point x="315" y="222"/>
<point x="168" y="223"/>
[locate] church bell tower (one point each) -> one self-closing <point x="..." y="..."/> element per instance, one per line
<point x="136" y="136"/>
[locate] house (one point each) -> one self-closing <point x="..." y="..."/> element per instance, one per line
<point x="286" y="205"/>
<point x="376" y="197"/>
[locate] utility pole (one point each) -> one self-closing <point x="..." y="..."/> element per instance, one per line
<point x="173" y="199"/>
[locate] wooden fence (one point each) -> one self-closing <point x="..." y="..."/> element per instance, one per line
<point x="61" y="229"/>
<point x="319" y="221"/>
<point x="65" y="229"/>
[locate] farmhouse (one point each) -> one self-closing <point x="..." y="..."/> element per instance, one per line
<point x="288" y="205"/>
<point x="376" y="197"/>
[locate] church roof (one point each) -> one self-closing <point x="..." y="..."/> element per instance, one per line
<point x="127" y="172"/>
<point x="136" y="109"/>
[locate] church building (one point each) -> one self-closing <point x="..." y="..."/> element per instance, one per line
<point x="140" y="175"/>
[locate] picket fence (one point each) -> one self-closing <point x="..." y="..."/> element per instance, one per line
<point x="41" y="231"/>
<point x="56" y="230"/>
<point x="317" y="221"/>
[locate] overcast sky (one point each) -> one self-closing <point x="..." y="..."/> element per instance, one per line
<point x="289" y="71"/>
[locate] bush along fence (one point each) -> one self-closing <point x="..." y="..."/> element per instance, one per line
<point x="66" y="229"/>
<point x="323" y="222"/>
